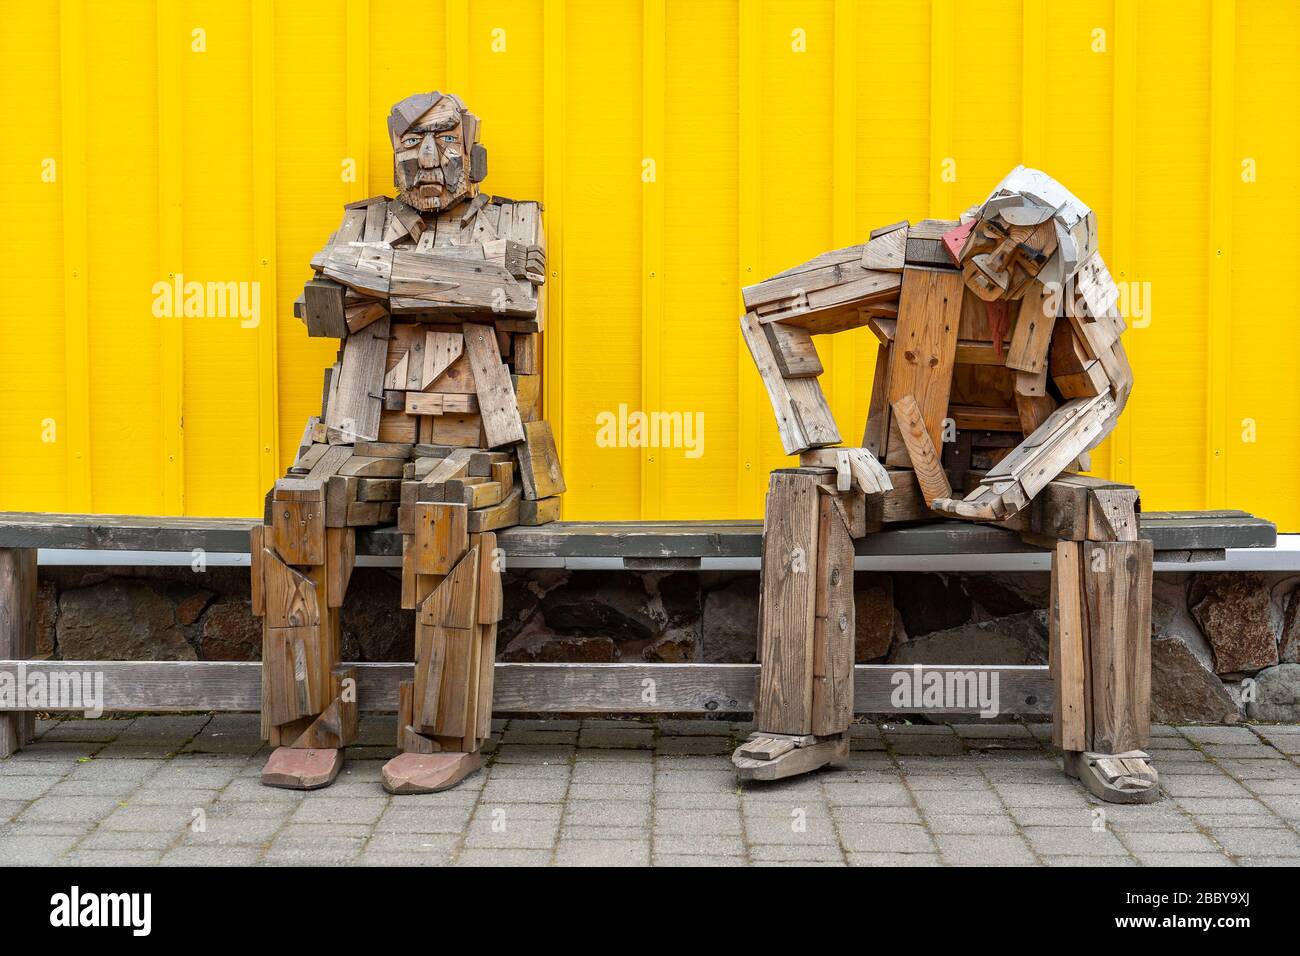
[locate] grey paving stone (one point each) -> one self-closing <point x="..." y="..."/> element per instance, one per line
<point x="402" y="819"/>
<point x="313" y="850"/>
<point x="852" y="816"/>
<point x="790" y="830"/>
<point x="507" y="813"/>
<point x="868" y="795"/>
<point x="25" y="788"/>
<point x="698" y="844"/>
<point x="611" y="792"/>
<point x="525" y="791"/>
<point x="886" y="838"/>
<point x="573" y="852"/>
<point x="796" y="853"/>
<point x="595" y="813"/>
<point x="698" y="781"/>
<point x="1149" y="858"/>
<point x="165" y="818"/>
<point x="1064" y="796"/>
<point x="112" y="858"/>
<point x="693" y="745"/>
<point x="1168" y="842"/>
<point x="1073" y="841"/>
<point x="959" y="801"/>
<point x="211" y="856"/>
<point x="606" y="773"/>
<point x="511" y="833"/>
<point x="483" y="856"/>
<point x="1253" y="841"/>
<point x="717" y="822"/>
<point x="101" y="730"/>
<point x="1088" y="861"/>
<point x="1219" y="735"/>
<point x="321" y="809"/>
<point x="69" y="809"/>
<point x="683" y="859"/>
<point x="1206" y="785"/>
<point x="1203" y="805"/>
<point x="102" y="839"/>
<point x="34" y="850"/>
<point x="970" y="823"/>
<point x="983" y="850"/>
<point x="442" y="845"/>
<point x="618" y="738"/>
<point x="698" y="801"/>
<point x="552" y="737"/>
<point x="891" y="860"/>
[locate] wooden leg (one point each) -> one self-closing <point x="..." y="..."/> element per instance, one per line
<point x="301" y="570"/>
<point x="445" y="712"/>
<point x="1100" y="659"/>
<point x="17" y="634"/>
<point x="805" y="692"/>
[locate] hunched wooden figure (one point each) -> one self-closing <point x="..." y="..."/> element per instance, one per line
<point x="999" y="367"/>
<point x="430" y="418"/>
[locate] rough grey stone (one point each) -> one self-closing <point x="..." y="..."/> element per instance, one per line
<point x="730" y="622"/>
<point x="1016" y="639"/>
<point x="1277" y="694"/>
<point x="120" y="619"/>
<point x="1184" y="689"/>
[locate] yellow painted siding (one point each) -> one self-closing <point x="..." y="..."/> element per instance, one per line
<point x="220" y="139"/>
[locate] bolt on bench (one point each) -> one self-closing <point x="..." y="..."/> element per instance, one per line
<point x="1186" y="540"/>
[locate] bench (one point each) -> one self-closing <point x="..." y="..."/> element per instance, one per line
<point x="1212" y="540"/>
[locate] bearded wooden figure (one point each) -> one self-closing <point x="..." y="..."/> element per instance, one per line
<point x="431" y="420"/>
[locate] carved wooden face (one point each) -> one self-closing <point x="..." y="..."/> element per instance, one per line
<point x="431" y="161"/>
<point x="1006" y="250"/>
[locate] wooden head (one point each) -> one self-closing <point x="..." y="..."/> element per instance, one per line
<point x="437" y="158"/>
<point x="1010" y="241"/>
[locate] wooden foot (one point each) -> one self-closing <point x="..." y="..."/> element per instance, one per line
<point x="1116" y="778"/>
<point x="774" y="756"/>
<point x="296" y="769"/>
<point x="428" y="773"/>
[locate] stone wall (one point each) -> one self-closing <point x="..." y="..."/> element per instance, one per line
<point x="1226" y="646"/>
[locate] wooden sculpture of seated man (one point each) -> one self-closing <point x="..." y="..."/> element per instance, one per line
<point x="999" y="367"/>
<point x="430" y="419"/>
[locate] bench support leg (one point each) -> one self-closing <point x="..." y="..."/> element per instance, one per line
<point x="445" y="713"/>
<point x="1100" y="658"/>
<point x="300" y="573"/>
<point x="17" y="635"/>
<point x="806" y="629"/>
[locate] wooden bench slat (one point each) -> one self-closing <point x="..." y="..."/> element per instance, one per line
<point x="1168" y="531"/>
<point x="194" y="686"/>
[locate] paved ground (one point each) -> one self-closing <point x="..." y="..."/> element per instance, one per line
<point x="184" y="790"/>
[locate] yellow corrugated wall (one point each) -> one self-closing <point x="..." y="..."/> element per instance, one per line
<point x="683" y="148"/>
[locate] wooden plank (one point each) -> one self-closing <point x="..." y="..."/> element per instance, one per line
<point x="923" y="453"/>
<point x="793" y="350"/>
<point x="353" y="412"/>
<point x="539" y="462"/>
<point x="787" y="604"/>
<point x="925" y="344"/>
<point x="235" y="686"/>
<point x="440" y="536"/>
<point x="1167" y="530"/>
<point x="17" y="634"/>
<point x="833" y="639"/>
<point x="496" y="394"/>
<point x="1066" y="647"/>
<point x="1032" y="335"/>
<point x="1117" y="612"/>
